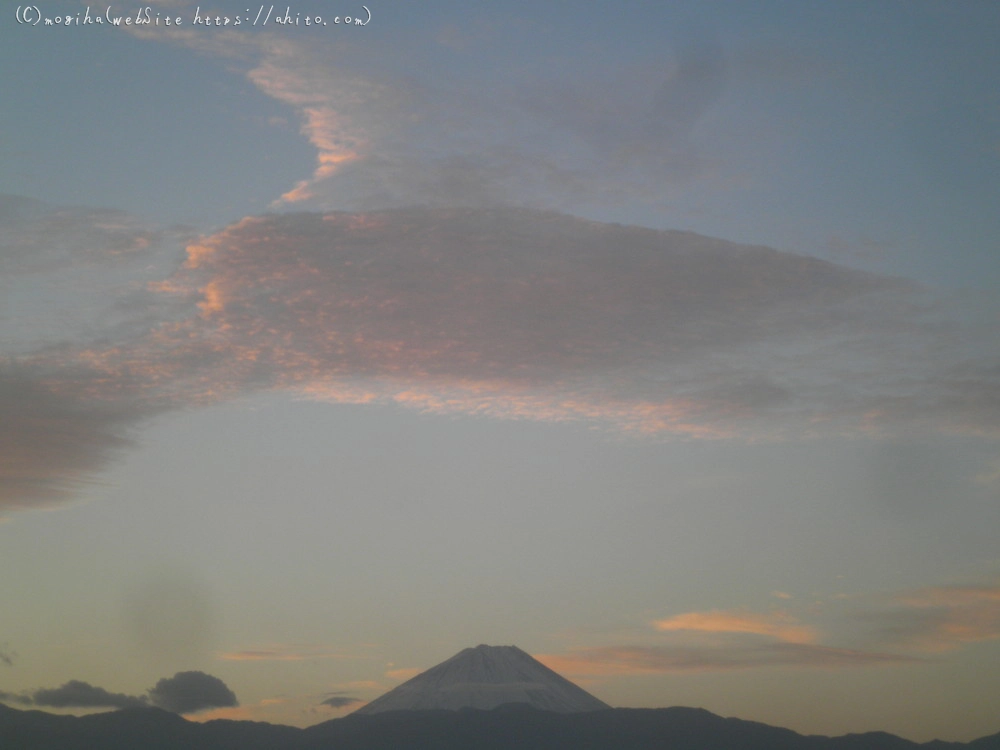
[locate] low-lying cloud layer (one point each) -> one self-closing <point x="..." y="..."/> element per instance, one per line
<point x="340" y="701"/>
<point x="504" y="312"/>
<point x="184" y="693"/>
<point x="189" y="692"/>
<point x="78" y="694"/>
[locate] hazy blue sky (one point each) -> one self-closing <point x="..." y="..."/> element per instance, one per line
<point x="657" y="339"/>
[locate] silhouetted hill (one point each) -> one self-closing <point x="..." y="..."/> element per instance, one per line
<point x="504" y="728"/>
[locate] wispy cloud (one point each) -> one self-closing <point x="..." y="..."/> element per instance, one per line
<point x="521" y="313"/>
<point x="910" y="627"/>
<point x="340" y="701"/>
<point x="940" y="619"/>
<point x="326" y="102"/>
<point x="389" y="140"/>
<point x="635" y="660"/>
<point x="49" y="439"/>
<point x="510" y="313"/>
<point x="403" y="673"/>
<point x="780" y="625"/>
<point x="719" y="640"/>
<point x="78" y="694"/>
<point x="282" y="653"/>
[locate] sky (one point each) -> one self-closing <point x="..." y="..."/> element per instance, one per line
<point x="655" y="338"/>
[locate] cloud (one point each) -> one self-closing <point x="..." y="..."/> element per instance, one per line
<point x="185" y="692"/>
<point x="282" y="653"/>
<point x="403" y="673"/>
<point x="77" y="694"/>
<point x="71" y="277"/>
<point x="38" y="237"/>
<point x="20" y="699"/>
<point x="940" y="619"/>
<point x="51" y="438"/>
<point x="190" y="692"/>
<point x="513" y="312"/>
<point x="720" y="640"/>
<point x="320" y="99"/>
<point x="609" y="136"/>
<point x="502" y="312"/>
<point x="340" y="701"/>
<point x="7" y="656"/>
<point x="779" y="625"/>
<point x="635" y="660"/>
<point x="77" y="273"/>
<point x="910" y="626"/>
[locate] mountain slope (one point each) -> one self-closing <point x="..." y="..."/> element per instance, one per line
<point x="486" y="677"/>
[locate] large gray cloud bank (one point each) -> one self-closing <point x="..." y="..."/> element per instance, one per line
<point x="505" y="312"/>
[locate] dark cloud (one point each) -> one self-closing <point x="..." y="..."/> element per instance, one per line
<point x="51" y="437"/>
<point x="190" y="692"/>
<point x="339" y="701"/>
<point x="185" y="692"/>
<point x="77" y="694"/>
<point x="6" y="656"/>
<point x="20" y="699"/>
<point x="71" y="277"/>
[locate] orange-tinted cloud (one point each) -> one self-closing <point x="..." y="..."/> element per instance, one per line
<point x="402" y="674"/>
<point x="779" y="625"/>
<point x="281" y="653"/>
<point x="327" y="104"/>
<point x="507" y="313"/>
<point x="637" y="660"/>
<point x="941" y="618"/>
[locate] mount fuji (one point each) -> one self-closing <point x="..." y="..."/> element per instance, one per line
<point x="486" y="677"/>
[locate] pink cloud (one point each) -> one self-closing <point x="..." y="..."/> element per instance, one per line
<point x="779" y="625"/>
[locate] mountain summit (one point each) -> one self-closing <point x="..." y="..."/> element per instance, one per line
<point x="485" y="677"/>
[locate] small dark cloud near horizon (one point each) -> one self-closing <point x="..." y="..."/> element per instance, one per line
<point x="339" y="701"/>
<point x="19" y="698"/>
<point x="190" y="692"/>
<point x="7" y="656"/>
<point x="184" y="693"/>
<point x="79" y="694"/>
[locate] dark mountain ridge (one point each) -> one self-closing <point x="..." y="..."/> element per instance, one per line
<point x="504" y="728"/>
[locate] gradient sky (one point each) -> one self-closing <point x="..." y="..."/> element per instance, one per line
<point x="657" y="339"/>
